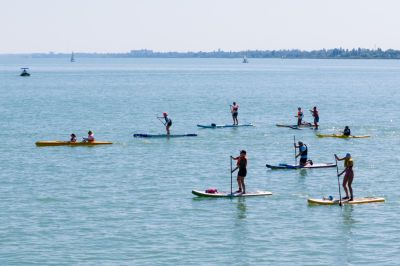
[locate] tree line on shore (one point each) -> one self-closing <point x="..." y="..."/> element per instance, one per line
<point x="336" y="53"/>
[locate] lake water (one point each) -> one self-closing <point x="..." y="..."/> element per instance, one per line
<point x="131" y="204"/>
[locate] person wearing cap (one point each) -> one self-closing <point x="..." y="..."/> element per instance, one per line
<point x="346" y="131"/>
<point x="303" y="153"/>
<point x="348" y="175"/>
<point x="73" y="138"/>
<point x="168" y="122"/>
<point x="242" y="166"/>
<point x="315" y="114"/>
<point x="90" y="137"/>
<point x="234" y="111"/>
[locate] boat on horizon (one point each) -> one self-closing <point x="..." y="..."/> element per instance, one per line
<point x="24" y="72"/>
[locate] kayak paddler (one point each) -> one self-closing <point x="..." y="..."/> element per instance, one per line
<point x="90" y="137"/>
<point x="234" y="111"/>
<point x="299" y="116"/>
<point x="303" y="153"/>
<point x="73" y="138"/>
<point x="315" y="114"/>
<point x="168" y="122"/>
<point x="242" y="166"/>
<point x="348" y="175"/>
<point x="346" y="131"/>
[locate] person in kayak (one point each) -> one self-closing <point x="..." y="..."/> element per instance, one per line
<point x="73" y="138"/>
<point x="242" y="166"/>
<point x="234" y="111"/>
<point x="299" y="116"/>
<point x="303" y="153"/>
<point x="315" y="114"/>
<point x="348" y="175"/>
<point x="90" y="137"/>
<point x="346" y="131"/>
<point x="168" y="122"/>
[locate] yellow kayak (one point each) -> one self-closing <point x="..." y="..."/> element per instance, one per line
<point x="355" y="201"/>
<point x="69" y="143"/>
<point x="341" y="136"/>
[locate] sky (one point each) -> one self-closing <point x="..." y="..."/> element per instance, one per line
<point x="196" y="25"/>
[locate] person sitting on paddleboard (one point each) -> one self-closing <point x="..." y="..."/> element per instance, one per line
<point x="346" y="131"/>
<point x="242" y="166"/>
<point x="315" y="114"/>
<point x="90" y="137"/>
<point x="348" y="175"/>
<point x="234" y="111"/>
<point x="168" y="122"/>
<point x="299" y="116"/>
<point x="73" y="138"/>
<point x="303" y="153"/>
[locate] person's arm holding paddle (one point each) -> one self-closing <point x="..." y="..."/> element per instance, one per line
<point x="237" y="167"/>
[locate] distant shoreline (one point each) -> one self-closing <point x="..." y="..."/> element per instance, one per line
<point x="335" y="53"/>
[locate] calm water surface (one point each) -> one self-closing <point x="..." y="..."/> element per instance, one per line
<point x="131" y="203"/>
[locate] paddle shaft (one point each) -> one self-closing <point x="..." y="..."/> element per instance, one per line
<point x="230" y="158"/>
<point x="295" y="158"/>
<point x="159" y="119"/>
<point x="338" y="181"/>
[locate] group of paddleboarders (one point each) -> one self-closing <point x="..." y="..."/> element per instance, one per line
<point x="348" y="168"/>
<point x="167" y="122"/>
<point x="90" y="137"/>
<point x="300" y="116"/>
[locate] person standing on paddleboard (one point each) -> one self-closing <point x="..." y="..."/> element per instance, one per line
<point x="315" y="114"/>
<point x="299" y="116"/>
<point x="303" y="153"/>
<point x="242" y="166"/>
<point x="168" y="122"/>
<point x="348" y="175"/>
<point x="234" y="111"/>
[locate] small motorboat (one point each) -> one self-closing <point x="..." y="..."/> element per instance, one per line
<point x="24" y="72"/>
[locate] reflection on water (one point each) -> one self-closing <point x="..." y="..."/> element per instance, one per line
<point x="303" y="172"/>
<point x="348" y="219"/>
<point x="241" y="208"/>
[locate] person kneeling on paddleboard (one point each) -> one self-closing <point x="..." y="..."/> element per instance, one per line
<point x="303" y="153"/>
<point x="348" y="177"/>
<point x="90" y="137"/>
<point x="346" y="131"/>
<point x="73" y="138"/>
<point x="234" y="111"/>
<point x="168" y="122"/>
<point x="242" y="166"/>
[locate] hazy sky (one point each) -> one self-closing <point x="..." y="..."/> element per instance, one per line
<point x="182" y="25"/>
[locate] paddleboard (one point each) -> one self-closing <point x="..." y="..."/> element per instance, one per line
<point x="163" y="135"/>
<point x="229" y="195"/>
<point x="68" y="143"/>
<point x="308" y="166"/>
<point x="355" y="201"/>
<point x="225" y="126"/>
<point x="341" y="136"/>
<point x="307" y="125"/>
